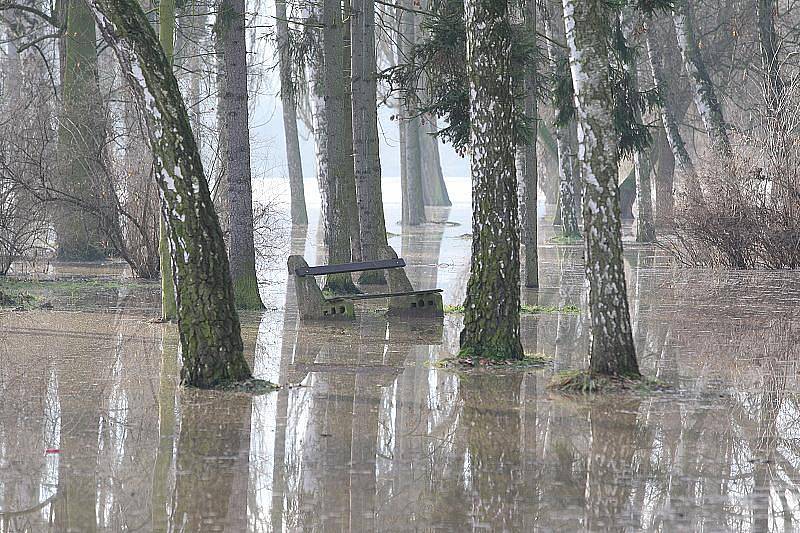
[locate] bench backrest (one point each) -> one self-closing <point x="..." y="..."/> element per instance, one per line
<point x="349" y="267"/>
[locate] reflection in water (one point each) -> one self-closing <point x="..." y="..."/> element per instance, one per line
<point x="95" y="435"/>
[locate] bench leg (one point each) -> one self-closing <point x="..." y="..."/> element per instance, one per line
<point x="417" y="305"/>
<point x="311" y="304"/>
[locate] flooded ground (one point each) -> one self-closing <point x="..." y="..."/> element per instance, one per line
<point x="95" y="435"/>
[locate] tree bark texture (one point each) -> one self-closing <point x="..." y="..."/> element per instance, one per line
<point x="169" y="306"/>
<point x="434" y="189"/>
<point x="611" y="342"/>
<point x="566" y="145"/>
<point x="705" y="96"/>
<point x="530" y="168"/>
<point x="348" y="166"/>
<point x="366" y="155"/>
<point x="208" y="323"/>
<point x="298" y="211"/>
<point x="645" y="225"/>
<point x="241" y="249"/>
<point x="491" y="316"/>
<point x="80" y="138"/>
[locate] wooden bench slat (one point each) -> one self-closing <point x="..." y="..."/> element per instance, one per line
<point x="350" y="267"/>
<point x="381" y="295"/>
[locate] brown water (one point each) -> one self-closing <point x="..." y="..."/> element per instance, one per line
<point x="95" y="435"/>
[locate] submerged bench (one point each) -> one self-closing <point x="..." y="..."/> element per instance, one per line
<point x="403" y="299"/>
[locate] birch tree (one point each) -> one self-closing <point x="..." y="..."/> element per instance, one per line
<point x="241" y="249"/>
<point x="208" y="323"/>
<point x="705" y="96"/>
<point x="611" y="348"/>
<point x="491" y="308"/>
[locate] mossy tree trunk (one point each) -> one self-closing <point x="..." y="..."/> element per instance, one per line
<point x="338" y="212"/>
<point x="169" y="307"/>
<point x="491" y="316"/>
<point x="366" y="155"/>
<point x="298" y="210"/>
<point x="349" y="201"/>
<point x="80" y="139"/>
<point x="611" y="342"/>
<point x="208" y="323"/>
<point x="241" y="249"/>
<point x="705" y="96"/>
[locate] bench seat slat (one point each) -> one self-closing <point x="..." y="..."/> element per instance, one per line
<point x="350" y="267"/>
<point x="381" y="295"/>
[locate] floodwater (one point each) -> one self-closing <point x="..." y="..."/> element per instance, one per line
<point x="96" y="436"/>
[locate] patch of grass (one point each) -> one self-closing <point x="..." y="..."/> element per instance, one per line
<point x="20" y="300"/>
<point x="585" y="382"/>
<point x="250" y="386"/>
<point x="565" y="239"/>
<point x="524" y="309"/>
<point x="465" y="236"/>
<point x="466" y="361"/>
<point x="390" y="235"/>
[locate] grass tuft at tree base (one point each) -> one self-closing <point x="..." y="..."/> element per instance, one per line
<point x="466" y="361"/>
<point x="585" y="382"/>
<point x="253" y="386"/>
<point x="525" y="309"/>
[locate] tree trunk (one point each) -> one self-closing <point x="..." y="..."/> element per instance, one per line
<point x="434" y="189"/>
<point x="645" y="226"/>
<point x="289" y="106"/>
<point x="611" y="349"/>
<point x="567" y="156"/>
<point x="664" y="178"/>
<point x="491" y="317"/>
<point x="241" y="249"/>
<point x="366" y="155"/>
<point x="413" y="200"/>
<point x="530" y="169"/>
<point x="337" y="227"/>
<point x="349" y="202"/>
<point x="169" y="308"/>
<point x="80" y="139"/>
<point x="705" y="97"/>
<point x="207" y="320"/>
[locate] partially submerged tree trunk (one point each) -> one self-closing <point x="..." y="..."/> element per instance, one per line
<point x="169" y="306"/>
<point x="337" y="225"/>
<point x="645" y="225"/>
<point x="348" y="167"/>
<point x="434" y="189"/>
<point x="413" y="213"/>
<point x="289" y="107"/>
<point x="530" y="168"/>
<point x="611" y="350"/>
<point x="491" y="308"/>
<point x="207" y="319"/>
<point x="566" y="141"/>
<point x="241" y="249"/>
<point x="80" y="139"/>
<point x="705" y="96"/>
<point x="366" y="155"/>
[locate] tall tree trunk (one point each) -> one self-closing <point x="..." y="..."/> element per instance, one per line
<point x="569" y="174"/>
<point x="289" y="106"/>
<point x="611" y="349"/>
<point x="705" y="96"/>
<point x="207" y="319"/>
<point x="241" y="249"/>
<point x="169" y="307"/>
<point x="645" y="226"/>
<point x="366" y="155"/>
<point x="413" y="213"/>
<point x="668" y="117"/>
<point x="347" y="137"/>
<point x="337" y="227"/>
<point x="491" y="317"/>
<point x="80" y="139"/>
<point x="530" y="169"/>
<point x="664" y="180"/>
<point x="434" y="189"/>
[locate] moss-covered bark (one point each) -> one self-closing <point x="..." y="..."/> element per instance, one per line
<point x="491" y="316"/>
<point x="166" y="35"/>
<point x="611" y="342"/>
<point x="207" y="320"/>
<point x="530" y="167"/>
